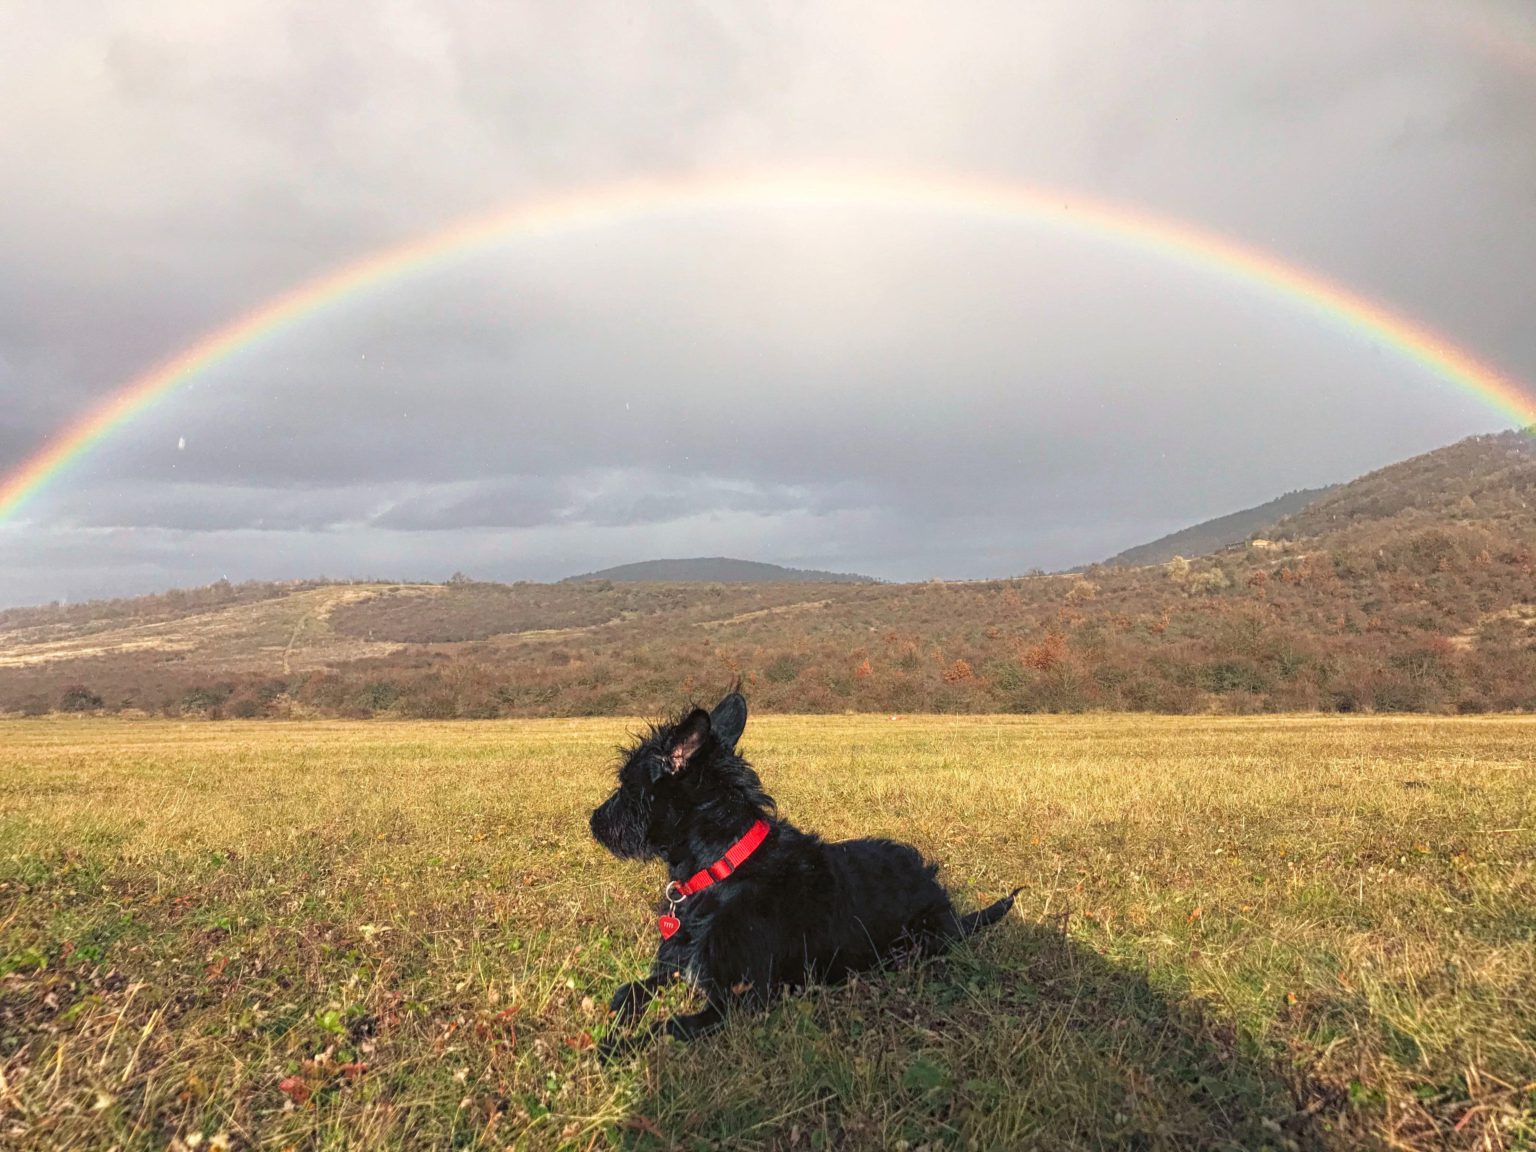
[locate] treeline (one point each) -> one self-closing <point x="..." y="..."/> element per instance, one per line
<point x="1250" y="670"/>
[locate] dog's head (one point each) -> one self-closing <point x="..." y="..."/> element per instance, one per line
<point x="680" y="768"/>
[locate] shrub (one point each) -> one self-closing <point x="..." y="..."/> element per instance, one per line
<point x="783" y="669"/>
<point x="1047" y="654"/>
<point x="207" y="699"/>
<point x="1231" y="676"/>
<point x="378" y="695"/>
<point x="958" y="672"/>
<point x="79" y="698"/>
<point x="1210" y="581"/>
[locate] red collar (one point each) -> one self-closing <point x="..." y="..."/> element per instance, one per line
<point x="678" y="890"/>
<point x="734" y="856"/>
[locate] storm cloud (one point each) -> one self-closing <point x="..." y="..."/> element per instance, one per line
<point x="903" y="393"/>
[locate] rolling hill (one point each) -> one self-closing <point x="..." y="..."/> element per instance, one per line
<point x="718" y="570"/>
<point x="1410" y="589"/>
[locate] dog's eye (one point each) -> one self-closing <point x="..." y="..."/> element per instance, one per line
<point x="636" y="771"/>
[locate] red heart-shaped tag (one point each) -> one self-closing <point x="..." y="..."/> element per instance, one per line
<point x="668" y="925"/>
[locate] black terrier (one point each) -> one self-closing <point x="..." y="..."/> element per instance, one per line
<point x="753" y="905"/>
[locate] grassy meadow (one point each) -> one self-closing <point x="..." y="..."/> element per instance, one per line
<point x="1234" y="933"/>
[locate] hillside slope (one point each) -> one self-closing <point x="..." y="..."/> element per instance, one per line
<point x="1212" y="535"/>
<point x="1485" y="480"/>
<point x="1410" y="589"/>
<point x="287" y="630"/>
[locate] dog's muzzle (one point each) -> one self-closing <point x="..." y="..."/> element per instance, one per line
<point x="617" y="830"/>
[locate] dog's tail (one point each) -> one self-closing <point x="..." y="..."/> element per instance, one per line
<point x="976" y="921"/>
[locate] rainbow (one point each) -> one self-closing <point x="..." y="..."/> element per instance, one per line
<point x="633" y="200"/>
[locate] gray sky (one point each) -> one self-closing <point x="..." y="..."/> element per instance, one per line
<point x="906" y="394"/>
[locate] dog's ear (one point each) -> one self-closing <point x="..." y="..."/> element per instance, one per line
<point x="686" y="740"/>
<point x="728" y="719"/>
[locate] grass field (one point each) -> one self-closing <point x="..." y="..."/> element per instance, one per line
<point x="1235" y="933"/>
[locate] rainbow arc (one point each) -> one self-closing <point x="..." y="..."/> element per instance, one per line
<point x="636" y="200"/>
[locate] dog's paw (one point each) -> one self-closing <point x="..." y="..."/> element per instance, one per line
<point x="618" y="1045"/>
<point x="626" y="1001"/>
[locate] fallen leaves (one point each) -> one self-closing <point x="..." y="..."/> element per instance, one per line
<point x="638" y="1123"/>
<point x="295" y="1088"/>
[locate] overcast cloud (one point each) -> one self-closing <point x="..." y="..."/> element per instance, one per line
<point x="899" y="393"/>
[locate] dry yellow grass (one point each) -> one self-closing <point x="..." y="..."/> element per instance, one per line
<point x="276" y="635"/>
<point x="1234" y="933"/>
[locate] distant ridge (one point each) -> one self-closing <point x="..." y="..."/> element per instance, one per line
<point x="1213" y="535"/>
<point x="717" y="570"/>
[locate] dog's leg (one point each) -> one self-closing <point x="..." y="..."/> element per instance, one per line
<point x="615" y="1045"/>
<point x="627" y="1003"/>
<point x="701" y="1023"/>
<point x="633" y="998"/>
<point x="630" y="1001"/>
<point x="708" y="1019"/>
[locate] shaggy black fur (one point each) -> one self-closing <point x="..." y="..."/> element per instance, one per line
<point x="797" y="910"/>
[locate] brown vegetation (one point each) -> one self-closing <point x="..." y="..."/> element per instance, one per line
<point x="1410" y="590"/>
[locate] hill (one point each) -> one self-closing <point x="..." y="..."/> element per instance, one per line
<point x="1484" y="480"/>
<point x="718" y="570"/>
<point x="1213" y="535"/>
<point x="1412" y="589"/>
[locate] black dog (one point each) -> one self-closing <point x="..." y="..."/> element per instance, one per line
<point x="753" y="904"/>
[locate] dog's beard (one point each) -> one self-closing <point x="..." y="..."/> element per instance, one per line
<point x="622" y="827"/>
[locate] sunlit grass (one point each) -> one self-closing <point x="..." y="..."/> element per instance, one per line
<point x="1233" y="933"/>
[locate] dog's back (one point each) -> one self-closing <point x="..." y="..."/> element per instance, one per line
<point x="888" y="898"/>
<point x="804" y="911"/>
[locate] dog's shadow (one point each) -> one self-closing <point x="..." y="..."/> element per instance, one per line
<point x="1024" y="1039"/>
